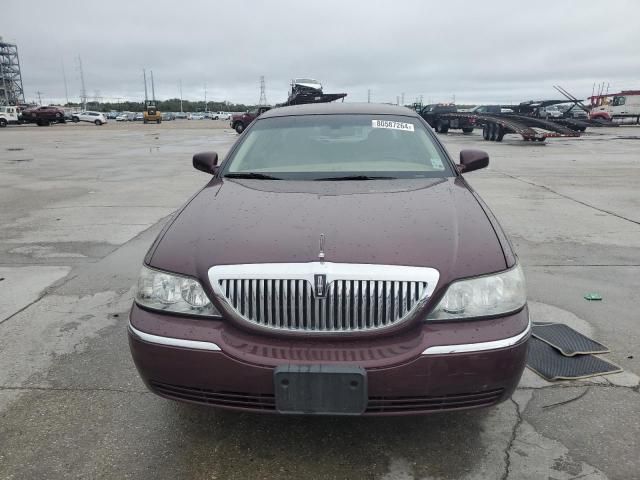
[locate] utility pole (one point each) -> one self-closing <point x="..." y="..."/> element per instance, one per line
<point x="146" y="95"/>
<point x="153" y="90"/>
<point x="39" y="98"/>
<point x="263" y="94"/>
<point x="83" y="91"/>
<point x="64" y="77"/>
<point x="180" y="95"/>
<point x="205" y="97"/>
<point x="402" y="99"/>
<point x="397" y="100"/>
<point x="369" y="96"/>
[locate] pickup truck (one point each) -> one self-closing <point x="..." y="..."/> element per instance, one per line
<point x="8" y="115"/>
<point x="240" y="121"/>
<point x="443" y="117"/>
<point x="220" y="116"/>
<point x="43" y="116"/>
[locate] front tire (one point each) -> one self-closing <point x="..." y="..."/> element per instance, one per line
<point x="486" y="131"/>
<point x="493" y="132"/>
<point x="239" y="128"/>
<point x="98" y="123"/>
<point x="442" y="127"/>
<point x="75" y="119"/>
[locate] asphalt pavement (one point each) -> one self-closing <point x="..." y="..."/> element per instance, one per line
<point x="79" y="206"/>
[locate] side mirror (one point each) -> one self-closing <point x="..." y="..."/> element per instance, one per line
<point x="206" y="162"/>
<point x="471" y="160"/>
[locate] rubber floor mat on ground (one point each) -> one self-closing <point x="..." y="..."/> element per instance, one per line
<point x="551" y="365"/>
<point x="566" y="339"/>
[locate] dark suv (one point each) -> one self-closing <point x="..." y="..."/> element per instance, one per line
<point x="240" y="121"/>
<point x="43" y="116"/>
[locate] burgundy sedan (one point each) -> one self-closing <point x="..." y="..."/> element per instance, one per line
<point x="337" y="262"/>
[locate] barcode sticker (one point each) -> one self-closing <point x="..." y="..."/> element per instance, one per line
<point x="407" y="127"/>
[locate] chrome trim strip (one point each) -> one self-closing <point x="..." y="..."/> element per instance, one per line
<point x="174" y="342"/>
<point x="478" y="347"/>
<point x="333" y="271"/>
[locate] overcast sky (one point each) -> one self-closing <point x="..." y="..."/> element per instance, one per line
<point x="481" y="51"/>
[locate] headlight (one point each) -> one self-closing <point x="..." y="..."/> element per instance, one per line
<point x="173" y="293"/>
<point x="496" y="294"/>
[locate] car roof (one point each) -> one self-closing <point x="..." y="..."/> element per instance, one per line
<point x="340" y="109"/>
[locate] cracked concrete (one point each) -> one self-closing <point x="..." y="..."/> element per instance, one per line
<point x="73" y="406"/>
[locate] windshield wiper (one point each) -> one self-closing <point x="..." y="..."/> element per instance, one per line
<point x="253" y="175"/>
<point x="353" y="177"/>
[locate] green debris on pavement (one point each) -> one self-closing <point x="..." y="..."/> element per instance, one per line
<point x="593" y="296"/>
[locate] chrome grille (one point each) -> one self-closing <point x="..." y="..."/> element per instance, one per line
<point x="350" y="305"/>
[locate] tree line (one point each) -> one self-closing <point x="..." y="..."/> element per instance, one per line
<point x="171" y="105"/>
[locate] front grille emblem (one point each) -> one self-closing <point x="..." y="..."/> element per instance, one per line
<point x="320" y="282"/>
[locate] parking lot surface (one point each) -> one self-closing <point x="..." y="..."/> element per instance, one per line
<point x="79" y="206"/>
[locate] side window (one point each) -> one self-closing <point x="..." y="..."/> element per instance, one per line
<point x="617" y="101"/>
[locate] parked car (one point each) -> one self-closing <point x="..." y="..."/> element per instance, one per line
<point x="572" y="111"/>
<point x="195" y="116"/>
<point x="138" y="117"/>
<point x="8" y="115"/>
<point x="111" y="115"/>
<point x="168" y="116"/>
<point x="373" y="276"/>
<point x="181" y="115"/>
<point x="123" y="117"/>
<point x="93" y="117"/>
<point x="220" y="116"/>
<point x="550" y="112"/>
<point x="240" y="121"/>
<point x="43" y="116"/>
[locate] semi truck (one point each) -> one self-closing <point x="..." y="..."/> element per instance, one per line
<point x="622" y="108"/>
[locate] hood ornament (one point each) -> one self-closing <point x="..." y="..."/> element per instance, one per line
<point x="321" y="254"/>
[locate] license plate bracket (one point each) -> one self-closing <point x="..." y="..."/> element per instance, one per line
<point x="320" y="389"/>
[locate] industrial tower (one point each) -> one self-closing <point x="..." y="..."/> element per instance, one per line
<point x="263" y="95"/>
<point x="11" y="90"/>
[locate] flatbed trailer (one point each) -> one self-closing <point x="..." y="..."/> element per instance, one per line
<point x="496" y="126"/>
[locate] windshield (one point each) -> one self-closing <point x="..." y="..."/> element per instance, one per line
<point x="314" y="147"/>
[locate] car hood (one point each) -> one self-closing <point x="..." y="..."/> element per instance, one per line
<point x="434" y="223"/>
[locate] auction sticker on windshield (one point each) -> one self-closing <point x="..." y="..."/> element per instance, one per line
<point x="408" y="127"/>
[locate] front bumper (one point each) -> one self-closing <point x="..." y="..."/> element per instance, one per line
<point x="434" y="367"/>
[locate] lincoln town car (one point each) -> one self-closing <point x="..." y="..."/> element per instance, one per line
<point x="336" y="262"/>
